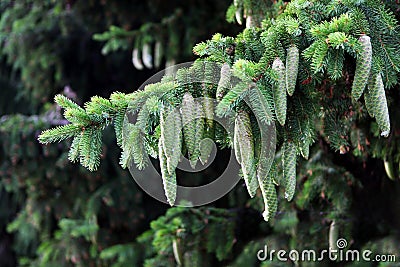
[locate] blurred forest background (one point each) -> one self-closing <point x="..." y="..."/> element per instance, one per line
<point x="55" y="213"/>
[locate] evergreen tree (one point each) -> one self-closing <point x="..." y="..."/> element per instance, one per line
<point x="45" y="46"/>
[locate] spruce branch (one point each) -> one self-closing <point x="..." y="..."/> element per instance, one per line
<point x="59" y="133"/>
<point x="318" y="43"/>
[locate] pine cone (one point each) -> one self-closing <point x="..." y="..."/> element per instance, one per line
<point x="289" y="169"/>
<point x="379" y="106"/>
<point x="292" y="68"/>
<point x="363" y="67"/>
<point x="246" y="146"/>
<point x="169" y="180"/>
<point x="268" y="192"/>
<point x="279" y="91"/>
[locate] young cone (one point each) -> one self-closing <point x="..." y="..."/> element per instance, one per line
<point x="199" y="125"/>
<point x="279" y="91"/>
<point x="246" y="147"/>
<point x="169" y="180"/>
<point x="223" y="84"/>
<point x="268" y="192"/>
<point x="174" y="158"/>
<point x="363" y="67"/>
<point x="188" y="111"/>
<point x="368" y="103"/>
<point x="292" y="68"/>
<point x="289" y="169"/>
<point x="379" y="106"/>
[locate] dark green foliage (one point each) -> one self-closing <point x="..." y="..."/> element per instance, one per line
<point x="47" y="189"/>
<point x="193" y="229"/>
<point x="304" y="120"/>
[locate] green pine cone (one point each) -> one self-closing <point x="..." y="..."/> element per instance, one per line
<point x="363" y="67"/>
<point x="305" y="149"/>
<point x="224" y="81"/>
<point x="169" y="180"/>
<point x="208" y="108"/>
<point x="292" y="68"/>
<point x="268" y="192"/>
<point x="189" y="123"/>
<point x="376" y="89"/>
<point x="260" y="106"/>
<point x="261" y="110"/>
<point x="174" y="158"/>
<point x="167" y="131"/>
<point x="236" y="145"/>
<point x="279" y="91"/>
<point x="368" y="103"/>
<point x="246" y="147"/>
<point x="205" y="147"/>
<point x="171" y="136"/>
<point x="289" y="169"/>
<point x="199" y="125"/>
